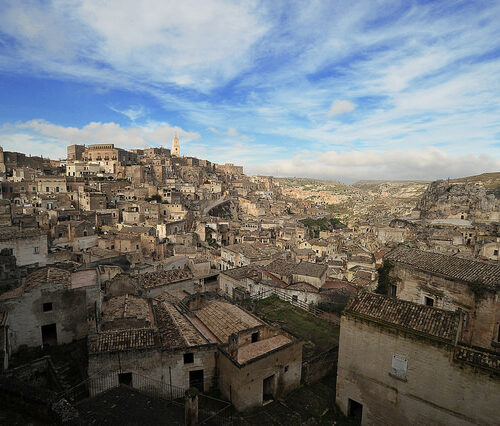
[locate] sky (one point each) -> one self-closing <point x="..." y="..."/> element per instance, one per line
<point x="326" y="89"/>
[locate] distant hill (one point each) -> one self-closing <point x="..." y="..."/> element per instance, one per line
<point x="374" y="184"/>
<point x="490" y="181"/>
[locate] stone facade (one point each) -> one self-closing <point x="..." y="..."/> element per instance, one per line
<point x="434" y="389"/>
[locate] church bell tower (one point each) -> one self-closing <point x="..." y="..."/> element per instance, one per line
<point x="176" y="149"/>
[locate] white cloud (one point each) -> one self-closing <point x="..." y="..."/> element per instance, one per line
<point x="350" y="166"/>
<point x="340" y="107"/>
<point x="188" y="43"/>
<point x="41" y="137"/>
<point x="133" y="112"/>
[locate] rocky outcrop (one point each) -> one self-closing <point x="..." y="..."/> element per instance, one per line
<point x="449" y="200"/>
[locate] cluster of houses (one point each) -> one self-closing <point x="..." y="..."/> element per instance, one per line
<point x="152" y="260"/>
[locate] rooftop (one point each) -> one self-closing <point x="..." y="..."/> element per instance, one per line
<point x="126" y="307"/>
<point x="12" y="233"/>
<point x="280" y="267"/>
<point x="223" y="319"/>
<point x="401" y="313"/>
<point x="448" y="266"/>
<point x="175" y="329"/>
<point x="254" y="350"/>
<point x="47" y="275"/>
<point x="310" y="269"/>
<point x="159" y="278"/>
<point x="249" y="271"/>
<point x="254" y="250"/>
<point x="120" y="340"/>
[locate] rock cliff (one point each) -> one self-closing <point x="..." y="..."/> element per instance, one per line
<point x="450" y="200"/>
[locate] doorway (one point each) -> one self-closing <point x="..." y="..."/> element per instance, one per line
<point x="355" y="410"/>
<point x="125" y="379"/>
<point x="196" y="379"/>
<point x="49" y="335"/>
<point x="268" y="389"/>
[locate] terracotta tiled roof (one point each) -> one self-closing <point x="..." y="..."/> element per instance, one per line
<point x="412" y="316"/>
<point x="12" y="233"/>
<point x="310" y="269"/>
<point x="159" y="278"/>
<point x="47" y="275"/>
<point x="337" y="284"/>
<point x="449" y="266"/>
<point x="303" y="286"/>
<point x="280" y="267"/>
<point x="249" y="271"/>
<point x="126" y="307"/>
<point x="175" y="329"/>
<point x="123" y="340"/>
<point x="222" y="319"/>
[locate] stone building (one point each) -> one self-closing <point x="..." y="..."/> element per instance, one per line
<point x="404" y="363"/>
<point x="247" y="253"/>
<point x="208" y="344"/>
<point x="52" y="306"/>
<point x="140" y="337"/>
<point x="451" y="283"/>
<point x="28" y="245"/>
<point x="75" y="152"/>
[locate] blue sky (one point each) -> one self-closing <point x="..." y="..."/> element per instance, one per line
<point x="330" y="89"/>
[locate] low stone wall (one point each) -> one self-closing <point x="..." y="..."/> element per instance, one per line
<point x="319" y="366"/>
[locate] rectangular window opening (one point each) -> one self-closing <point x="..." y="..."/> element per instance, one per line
<point x="188" y="358"/>
<point x="429" y="301"/>
<point x="125" y="379"/>
<point x="255" y="337"/>
<point x="47" y="307"/>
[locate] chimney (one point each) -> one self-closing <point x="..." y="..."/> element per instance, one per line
<point x="191" y="407"/>
<point x="233" y="345"/>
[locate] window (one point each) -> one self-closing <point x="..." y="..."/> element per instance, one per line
<point x="34" y="189"/>
<point x="394" y="290"/>
<point x="60" y="234"/>
<point x="137" y="246"/>
<point x="495" y="252"/>
<point x="189" y="358"/>
<point x="36" y="250"/>
<point x="295" y="298"/>
<point x="429" y="301"/>
<point x="22" y="188"/>
<point x="125" y="379"/>
<point x="46" y="189"/>
<point x="255" y="337"/>
<point x="286" y="368"/>
<point x="57" y="189"/>
<point x="47" y="307"/>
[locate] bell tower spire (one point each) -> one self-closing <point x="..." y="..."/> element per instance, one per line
<point x="176" y="149"/>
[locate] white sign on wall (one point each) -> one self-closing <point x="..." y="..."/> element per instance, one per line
<point x="399" y="366"/>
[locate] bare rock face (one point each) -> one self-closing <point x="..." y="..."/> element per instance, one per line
<point x="444" y="199"/>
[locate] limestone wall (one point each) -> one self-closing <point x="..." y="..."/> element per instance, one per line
<point x="483" y="312"/>
<point x="437" y="390"/>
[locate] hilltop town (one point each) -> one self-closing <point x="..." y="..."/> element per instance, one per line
<point x="143" y="273"/>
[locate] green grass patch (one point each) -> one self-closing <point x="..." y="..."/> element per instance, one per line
<point x="318" y="335"/>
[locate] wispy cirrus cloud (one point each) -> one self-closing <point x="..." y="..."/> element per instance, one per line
<point x="369" y="77"/>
